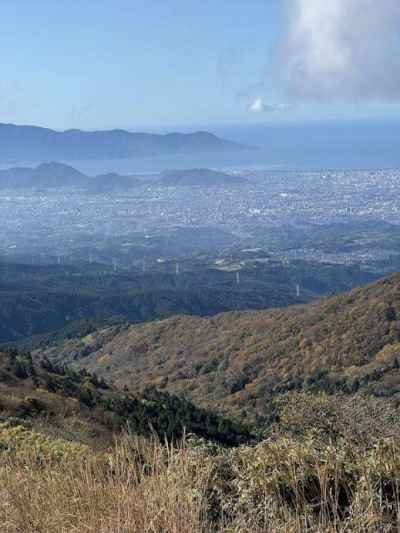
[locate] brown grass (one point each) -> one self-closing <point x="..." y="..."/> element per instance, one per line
<point x="143" y="486"/>
<point x="122" y="491"/>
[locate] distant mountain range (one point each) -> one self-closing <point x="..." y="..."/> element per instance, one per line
<point x="50" y="175"/>
<point x="35" y="143"/>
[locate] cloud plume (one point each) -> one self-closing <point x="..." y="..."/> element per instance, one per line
<point x="259" y="106"/>
<point x="342" y="50"/>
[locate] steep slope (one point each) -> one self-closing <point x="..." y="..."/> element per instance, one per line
<point x="80" y="407"/>
<point x="237" y="361"/>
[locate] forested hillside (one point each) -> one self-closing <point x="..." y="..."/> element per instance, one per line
<point x="40" y="300"/>
<point x="81" y="407"/>
<point x="237" y="362"/>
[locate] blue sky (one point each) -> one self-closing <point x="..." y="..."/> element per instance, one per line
<point x="135" y="64"/>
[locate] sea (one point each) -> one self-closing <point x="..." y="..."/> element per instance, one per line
<point x="362" y="144"/>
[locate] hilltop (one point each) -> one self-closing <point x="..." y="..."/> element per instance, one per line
<point x="44" y="175"/>
<point x="238" y="361"/>
<point x="202" y="177"/>
<point x="54" y="174"/>
<point x="35" y="143"/>
<point x="112" y="182"/>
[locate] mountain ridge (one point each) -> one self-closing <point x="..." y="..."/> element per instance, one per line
<point x="37" y="143"/>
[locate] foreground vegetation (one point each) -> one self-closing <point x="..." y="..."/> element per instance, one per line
<point x="320" y="386"/>
<point x="80" y="407"/>
<point x="331" y="465"/>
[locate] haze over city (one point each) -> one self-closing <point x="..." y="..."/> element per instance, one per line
<point x="199" y="266"/>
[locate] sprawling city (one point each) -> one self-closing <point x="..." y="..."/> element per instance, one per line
<point x="349" y="217"/>
<point x="200" y="266"/>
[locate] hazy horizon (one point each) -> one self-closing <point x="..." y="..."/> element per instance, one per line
<point x="318" y="144"/>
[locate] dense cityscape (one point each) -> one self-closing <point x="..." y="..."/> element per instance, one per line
<point x="289" y="214"/>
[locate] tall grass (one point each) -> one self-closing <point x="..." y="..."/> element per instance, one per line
<point x="134" y="488"/>
<point x="330" y="465"/>
<point x="146" y="487"/>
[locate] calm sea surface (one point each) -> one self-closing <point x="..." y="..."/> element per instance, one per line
<point x="362" y="144"/>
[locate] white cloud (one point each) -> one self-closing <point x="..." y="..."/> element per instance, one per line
<point x="342" y="49"/>
<point x="259" y="106"/>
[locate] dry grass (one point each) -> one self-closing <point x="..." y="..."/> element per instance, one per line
<point x="328" y="464"/>
<point x="139" y="486"/>
<point x="122" y="491"/>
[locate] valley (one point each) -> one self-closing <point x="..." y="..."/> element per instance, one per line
<point x="39" y="303"/>
<point x="237" y="362"/>
<point x="200" y="267"/>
